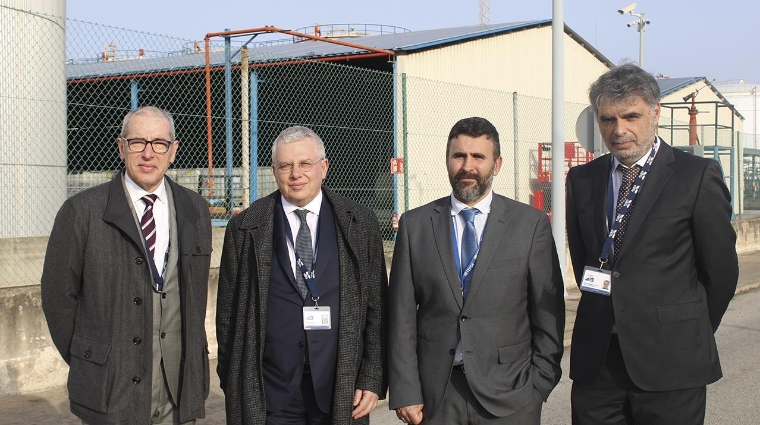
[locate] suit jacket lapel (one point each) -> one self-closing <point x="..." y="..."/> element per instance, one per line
<point x="658" y="176"/>
<point x="441" y="223"/>
<point x="278" y="241"/>
<point x="496" y="227"/>
<point x="601" y="180"/>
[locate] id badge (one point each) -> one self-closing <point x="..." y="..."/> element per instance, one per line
<point x="316" y="318"/>
<point x="596" y="280"/>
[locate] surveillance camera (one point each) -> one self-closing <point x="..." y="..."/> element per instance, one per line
<point x="630" y="24"/>
<point x="647" y="22"/>
<point x="627" y="9"/>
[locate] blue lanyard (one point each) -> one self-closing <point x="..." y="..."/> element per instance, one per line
<point x="632" y="195"/>
<point x="158" y="278"/>
<point x="308" y="274"/>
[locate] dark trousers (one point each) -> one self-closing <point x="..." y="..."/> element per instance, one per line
<point x="302" y="409"/>
<point x="615" y="400"/>
<point x="459" y="406"/>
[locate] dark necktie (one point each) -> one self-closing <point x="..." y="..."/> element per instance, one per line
<point x="148" y="223"/>
<point x="148" y="226"/>
<point x="304" y="250"/>
<point x="469" y="244"/>
<point x="629" y="176"/>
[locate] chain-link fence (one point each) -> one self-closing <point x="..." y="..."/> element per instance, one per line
<point x="364" y="115"/>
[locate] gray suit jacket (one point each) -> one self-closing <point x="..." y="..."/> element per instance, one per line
<point x="511" y="324"/>
<point x="97" y="298"/>
<point x="242" y="309"/>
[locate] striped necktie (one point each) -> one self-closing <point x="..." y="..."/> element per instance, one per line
<point x="148" y="226"/>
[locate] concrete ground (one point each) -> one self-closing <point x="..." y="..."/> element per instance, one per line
<point x="52" y="408"/>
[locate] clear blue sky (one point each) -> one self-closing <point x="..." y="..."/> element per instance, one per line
<point x="713" y="39"/>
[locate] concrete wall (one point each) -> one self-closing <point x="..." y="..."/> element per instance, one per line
<point x="29" y="362"/>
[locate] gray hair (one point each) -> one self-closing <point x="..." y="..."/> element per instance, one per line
<point x="148" y="111"/>
<point x="622" y="82"/>
<point x="297" y="133"/>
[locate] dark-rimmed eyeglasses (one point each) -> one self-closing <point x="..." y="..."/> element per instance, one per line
<point x="138" y="145"/>
<point x="305" y="166"/>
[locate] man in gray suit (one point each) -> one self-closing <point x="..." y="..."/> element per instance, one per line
<point x="302" y="303"/>
<point x="124" y="287"/>
<point x="476" y="298"/>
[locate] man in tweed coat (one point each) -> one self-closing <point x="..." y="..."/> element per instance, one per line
<point x="277" y="365"/>
<point x="136" y="349"/>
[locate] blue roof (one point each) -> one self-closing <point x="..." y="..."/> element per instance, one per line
<point x="672" y="85"/>
<point x="399" y="42"/>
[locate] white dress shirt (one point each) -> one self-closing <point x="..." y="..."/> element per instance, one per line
<point x="312" y="218"/>
<point x="160" y="215"/>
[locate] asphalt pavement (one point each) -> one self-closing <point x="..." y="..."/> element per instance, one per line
<point x="51" y="407"/>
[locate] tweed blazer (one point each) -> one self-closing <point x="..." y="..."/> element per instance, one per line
<point x="242" y="309"/>
<point x="97" y="298"/>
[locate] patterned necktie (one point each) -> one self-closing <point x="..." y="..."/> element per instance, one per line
<point x="148" y="226"/>
<point x="629" y="176"/>
<point x="148" y="223"/>
<point x="469" y="244"/>
<point x="305" y="251"/>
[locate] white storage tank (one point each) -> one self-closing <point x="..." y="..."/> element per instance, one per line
<point x="32" y="115"/>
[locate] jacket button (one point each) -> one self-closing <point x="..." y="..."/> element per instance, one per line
<point x="300" y="344"/>
<point x="464" y="318"/>
<point x="163" y="335"/>
<point x="87" y="354"/>
<point x="136" y="340"/>
<point x="615" y="274"/>
<point x="163" y="295"/>
<point x="198" y="249"/>
<point x="452" y="351"/>
<point x="136" y="380"/>
<point x="138" y="301"/>
<point x="138" y="260"/>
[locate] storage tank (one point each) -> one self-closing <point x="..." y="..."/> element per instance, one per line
<point x="32" y="116"/>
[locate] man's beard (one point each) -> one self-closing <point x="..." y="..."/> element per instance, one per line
<point x="466" y="193"/>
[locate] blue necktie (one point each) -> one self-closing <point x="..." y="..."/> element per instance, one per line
<point x="469" y="245"/>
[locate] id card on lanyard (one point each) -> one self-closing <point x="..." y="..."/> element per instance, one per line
<point x="596" y="279"/>
<point x="316" y="317"/>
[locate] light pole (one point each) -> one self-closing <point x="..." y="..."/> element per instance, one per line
<point x="641" y="25"/>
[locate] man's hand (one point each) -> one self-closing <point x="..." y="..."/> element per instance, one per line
<point x="364" y="403"/>
<point x="410" y="414"/>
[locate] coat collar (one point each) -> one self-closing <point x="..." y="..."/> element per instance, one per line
<point x="118" y="213"/>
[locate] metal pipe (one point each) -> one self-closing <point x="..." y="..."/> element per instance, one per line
<point x="210" y="178"/>
<point x="558" y="131"/>
<point x="515" y="162"/>
<point x="228" y="123"/>
<point x="254" y="135"/>
<point x="134" y="91"/>
<point x="245" y="124"/>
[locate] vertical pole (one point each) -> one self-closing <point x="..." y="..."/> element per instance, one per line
<point x="642" y="28"/>
<point x="245" y="141"/>
<point x="558" y="131"/>
<point x="406" y="142"/>
<point x="209" y="131"/>
<point x="254" y="135"/>
<point x="228" y="122"/>
<point x="134" y="91"/>
<point x="515" y="133"/>
<point x="395" y="136"/>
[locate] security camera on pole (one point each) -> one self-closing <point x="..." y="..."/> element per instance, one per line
<point x="641" y="25"/>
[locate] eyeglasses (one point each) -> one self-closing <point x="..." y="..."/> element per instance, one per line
<point x="138" y="145"/>
<point x="305" y="166"/>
